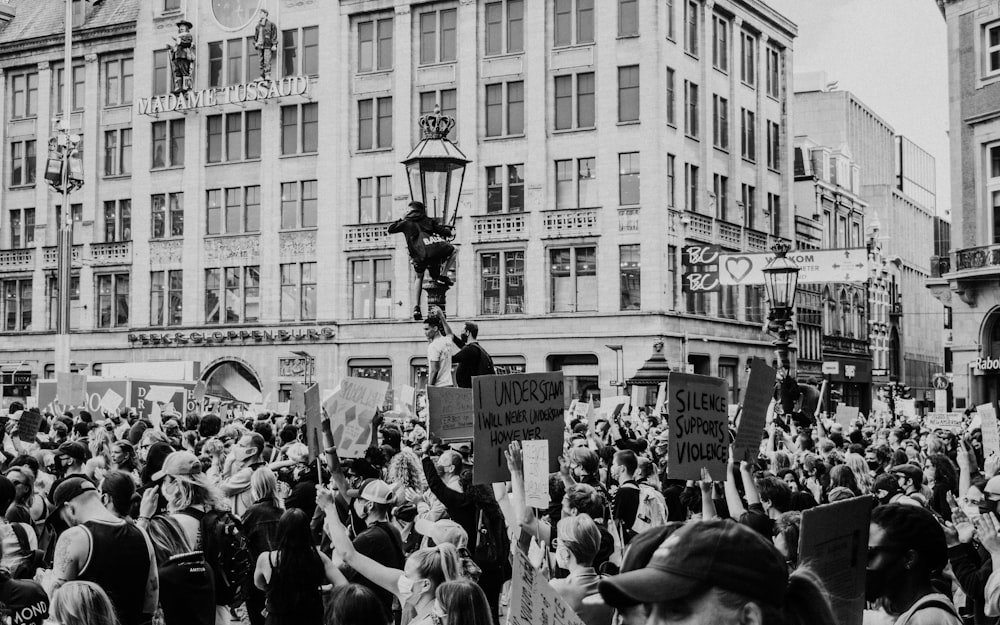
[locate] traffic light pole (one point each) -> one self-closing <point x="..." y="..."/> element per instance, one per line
<point x="65" y="249"/>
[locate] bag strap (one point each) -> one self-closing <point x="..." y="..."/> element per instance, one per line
<point x="934" y="603"/>
<point x="22" y="537"/>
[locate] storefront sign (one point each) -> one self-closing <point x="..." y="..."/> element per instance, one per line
<point x="270" y="335"/>
<point x="233" y="94"/>
<point x="986" y="365"/>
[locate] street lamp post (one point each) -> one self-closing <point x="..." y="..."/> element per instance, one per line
<point x="781" y="276"/>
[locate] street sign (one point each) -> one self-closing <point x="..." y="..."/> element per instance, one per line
<point x="880" y="372"/>
<point x="815" y="266"/>
<point x="831" y="367"/>
<point x="941" y="382"/>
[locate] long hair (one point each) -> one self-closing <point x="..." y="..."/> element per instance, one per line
<point x="167" y="537"/>
<point x="465" y="603"/>
<point x="100" y="444"/>
<point x="481" y="496"/>
<point x="354" y="604"/>
<point x="862" y="475"/>
<point x="298" y="563"/>
<point x="264" y="485"/>
<point x="842" y="475"/>
<point x="438" y="564"/>
<point x="195" y="490"/>
<point x="944" y="472"/>
<point x="129" y="463"/>
<point x="157" y="453"/>
<point x="82" y="603"/>
<point x="806" y="602"/>
<point x="405" y="470"/>
<point x="121" y="488"/>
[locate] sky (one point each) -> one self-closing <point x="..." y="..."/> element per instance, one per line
<point x="891" y="54"/>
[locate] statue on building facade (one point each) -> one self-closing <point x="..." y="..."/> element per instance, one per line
<point x="265" y="39"/>
<point x="182" y="57"/>
<point x="429" y="244"/>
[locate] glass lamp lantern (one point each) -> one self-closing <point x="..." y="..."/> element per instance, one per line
<point x="781" y="277"/>
<point x="435" y="168"/>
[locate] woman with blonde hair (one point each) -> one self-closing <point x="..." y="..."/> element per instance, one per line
<point x="862" y="475"/>
<point x="406" y="476"/>
<point x="82" y="603"/>
<point x="578" y="543"/>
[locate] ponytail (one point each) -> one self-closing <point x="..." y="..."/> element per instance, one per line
<point x="806" y="600"/>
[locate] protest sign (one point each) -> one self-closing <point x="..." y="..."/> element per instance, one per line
<point x="314" y="424"/>
<point x="906" y="407"/>
<point x="536" y="473"/>
<point x="636" y="398"/>
<point x="351" y="410"/>
<point x="111" y="401"/>
<point x="144" y="395"/>
<point x="758" y="394"/>
<point x="991" y="437"/>
<point x="297" y="402"/>
<point x="96" y="389"/>
<point x="833" y="542"/>
<point x="449" y="413"/>
<point x="27" y="426"/>
<point x="661" y="398"/>
<point x="199" y="394"/>
<point x="846" y="415"/>
<point x="532" y="600"/>
<point x="519" y="407"/>
<point x="71" y="388"/>
<point x="616" y="407"/>
<point x="405" y="399"/>
<point x="699" y="425"/>
<point x="951" y="421"/>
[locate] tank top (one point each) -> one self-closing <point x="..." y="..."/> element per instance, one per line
<point x="119" y="563"/>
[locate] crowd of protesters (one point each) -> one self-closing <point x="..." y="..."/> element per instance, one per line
<point x="113" y="519"/>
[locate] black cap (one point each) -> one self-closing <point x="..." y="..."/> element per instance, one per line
<point x="76" y="451"/>
<point x="68" y="490"/>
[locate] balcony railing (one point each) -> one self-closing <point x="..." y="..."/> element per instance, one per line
<point x="729" y="235"/>
<point x="50" y="256"/>
<point x="573" y="222"/>
<point x="940" y="265"/>
<point x="977" y="258"/>
<point x="499" y="227"/>
<point x="17" y="260"/>
<point x="628" y="220"/>
<point x="845" y="344"/>
<point x="367" y="237"/>
<point x="119" y="253"/>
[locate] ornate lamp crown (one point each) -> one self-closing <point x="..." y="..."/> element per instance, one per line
<point x="781" y="248"/>
<point x="435" y="125"/>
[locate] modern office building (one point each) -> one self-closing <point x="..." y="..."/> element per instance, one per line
<point x="240" y="222"/>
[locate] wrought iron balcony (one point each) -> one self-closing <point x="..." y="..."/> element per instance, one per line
<point x="940" y="265"/>
<point x="973" y="258"/>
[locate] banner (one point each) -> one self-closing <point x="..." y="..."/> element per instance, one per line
<point x="449" y="413"/>
<point x="951" y="421"/>
<point x="833" y="542"/>
<point x="536" y="473"/>
<point x="151" y="397"/>
<point x="815" y="266"/>
<point x="519" y="407"/>
<point x="96" y="391"/>
<point x="991" y="438"/>
<point x="71" y="388"/>
<point x="701" y="268"/>
<point x="698" y="406"/>
<point x="533" y="601"/>
<point x="756" y="399"/>
<point x="351" y="410"/>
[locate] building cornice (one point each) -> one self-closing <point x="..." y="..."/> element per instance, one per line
<point x="38" y="45"/>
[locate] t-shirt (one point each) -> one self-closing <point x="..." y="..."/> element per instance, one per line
<point x="626" y="505"/>
<point x="25" y="601"/>
<point x="472" y="360"/>
<point x="382" y="543"/>
<point x="932" y="614"/>
<point x="440" y="350"/>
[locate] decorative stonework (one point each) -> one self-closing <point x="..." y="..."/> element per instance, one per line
<point x="90" y="58"/>
<point x="44" y="65"/>
<point x="240" y="250"/>
<point x="297" y="245"/>
<point x="164" y="253"/>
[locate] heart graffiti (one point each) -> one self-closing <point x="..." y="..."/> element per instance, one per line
<point x="738" y="267"/>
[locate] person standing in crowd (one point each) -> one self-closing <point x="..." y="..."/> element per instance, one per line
<point x="83" y="603"/>
<point x="117" y="490"/>
<point x="440" y="349"/>
<point x="380" y="540"/>
<point x="354" y="604"/>
<point x="70" y="459"/>
<point x="261" y="525"/>
<point x="26" y="600"/>
<point x="626" y="499"/>
<point x="579" y="540"/>
<point x="187" y="589"/>
<point x="472" y="359"/>
<point x="244" y="458"/>
<point x="461" y="601"/>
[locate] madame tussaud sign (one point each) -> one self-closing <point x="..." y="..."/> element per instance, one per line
<point x="233" y="94"/>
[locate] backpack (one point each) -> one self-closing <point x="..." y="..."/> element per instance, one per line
<point x="652" y="510"/>
<point x="492" y="547"/>
<point x="485" y="362"/>
<point x="226" y="549"/>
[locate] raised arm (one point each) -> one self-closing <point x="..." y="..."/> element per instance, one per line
<point x="733" y="502"/>
<point x="371" y="570"/>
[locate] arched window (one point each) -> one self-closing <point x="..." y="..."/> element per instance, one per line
<point x="844" y="313"/>
<point x="859" y="316"/>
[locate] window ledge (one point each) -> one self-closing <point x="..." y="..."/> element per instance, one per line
<point x="502" y="55"/>
<point x="692" y="137"/>
<point x="724" y="72"/>
<point x="629" y="36"/>
<point x="367" y="151"/>
<point x="773" y="98"/>
<point x="721" y="150"/>
<point x="567" y="131"/>
<point x="570" y="46"/>
<point x="22" y="119"/>
<point x="112" y="107"/>
<point x="300" y="154"/>
<point x="503" y="137"/>
<point x="629" y="122"/>
<point x="176" y="167"/>
<point x="117" y="176"/>
<point x="691" y="55"/>
<point x="240" y="162"/>
<point x="21" y="187"/>
<point x="749" y="85"/>
<point x="773" y="170"/>
<point x="672" y="125"/>
<point x="223" y="235"/>
<point x="437" y="64"/>
<point x="374" y="72"/>
<point x="163" y="239"/>
<point x="288" y="230"/>
<point x="749" y="161"/>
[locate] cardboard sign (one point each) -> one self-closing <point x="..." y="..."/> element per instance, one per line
<point x="405" y="399"/>
<point x="450" y="413"/>
<point x="833" y="542"/>
<point x="314" y="424"/>
<point x="756" y="398"/>
<point x="906" y="407"/>
<point x="991" y="437"/>
<point x="351" y="410"/>
<point x="519" y="407"/>
<point x="71" y="388"/>
<point x="536" y="473"/>
<point x="27" y="426"/>
<point x="846" y="415"/>
<point x="111" y="401"/>
<point x="96" y="389"/>
<point x="699" y="425"/>
<point x="661" y="398"/>
<point x="532" y="600"/>
<point x="951" y="421"/>
<point x="616" y="407"/>
<point x="199" y="394"/>
<point x="297" y="402"/>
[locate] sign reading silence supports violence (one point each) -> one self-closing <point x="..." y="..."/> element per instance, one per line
<point x="698" y="406"/>
<point x="526" y="406"/>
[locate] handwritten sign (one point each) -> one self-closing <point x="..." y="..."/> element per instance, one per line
<point x="28" y="424"/>
<point x="536" y="473"/>
<point x="951" y="421"/>
<point x="533" y="601"/>
<point x="145" y="395"/>
<point x="450" y="413"/>
<point x="906" y="407"/>
<point x="406" y="399"/>
<point x="846" y="415"/>
<point x="756" y="398"/>
<point x="351" y="410"/>
<point x="519" y="407"/>
<point x="71" y="388"/>
<point x="991" y="437"/>
<point x="833" y="542"/>
<point x="699" y="425"/>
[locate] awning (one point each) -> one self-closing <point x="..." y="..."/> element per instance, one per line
<point x="228" y="381"/>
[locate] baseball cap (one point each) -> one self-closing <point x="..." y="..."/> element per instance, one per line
<point x="68" y="490"/>
<point x="375" y="491"/>
<point x="76" y="451"/>
<point x="178" y="463"/>
<point x="911" y="471"/>
<point x="443" y="531"/>
<point x="717" y="553"/>
<point x="993" y="486"/>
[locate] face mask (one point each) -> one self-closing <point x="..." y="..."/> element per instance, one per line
<point x="986" y="506"/>
<point x="405" y="589"/>
<point x="877" y="581"/>
<point x="439" y="609"/>
<point x="873" y="464"/>
<point x="359" y="509"/>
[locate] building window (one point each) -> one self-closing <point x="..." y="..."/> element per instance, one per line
<point x="773" y="145"/>
<point x="447" y="99"/>
<point x="76" y="214"/>
<point x="671" y="97"/>
<point x="748" y="135"/>
<point x="17" y="305"/>
<point x="375" y="200"/>
<point x="691" y="29"/>
<point x="671" y="180"/>
<point x="298" y="291"/>
<point x="24" y="95"/>
<point x="628" y="179"/>
<point x="748" y="59"/>
<point x="168" y="215"/>
<point x="22" y="228"/>
<point x="373" y="132"/>
<point x="375" y="45"/>
<point x="628" y="18"/>
<point x="629" y="277"/>
<point x="691" y="187"/>
<point x="79" y="88"/>
<point x="171" y="5"/>
<point x="117" y="220"/>
<point x="300" y="127"/>
<point x="372" y="288"/>
<point x="774" y="210"/>
<point x="995" y="201"/>
<point x="495" y="117"/>
<point x="720" y="122"/>
<point x="748" y="196"/>
<point x="22" y="163"/>
<point x="991" y="48"/>
<point x="573" y="276"/>
<point x="584" y="116"/>
<point x="755" y="304"/>
<point x="298" y="45"/>
<point x="501" y="196"/>
<point x="226" y="61"/>
<point x="576" y="186"/>
<point x="52" y="291"/>
<point x="503" y="283"/>
<point x="112" y="300"/>
<point x="118" y="80"/>
<point x="299" y="205"/>
<point x="227" y="141"/>
<point x="240" y="214"/>
<point x="628" y="93"/>
<point x="573" y="17"/>
<point x="691" y="109"/>
<point x="166" y="297"/>
<point x="720" y="43"/>
<point x="773" y="72"/>
<point x="438" y="36"/>
<point x="505" y="27"/>
<point x="232" y="295"/>
<point x="168" y="142"/>
<point x="161" y="72"/>
<point x="728" y="295"/>
<point x="118" y="152"/>
<point x="671" y="20"/>
<point x="720" y="185"/>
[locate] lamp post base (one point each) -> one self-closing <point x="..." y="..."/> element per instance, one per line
<point x="436" y="294"/>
